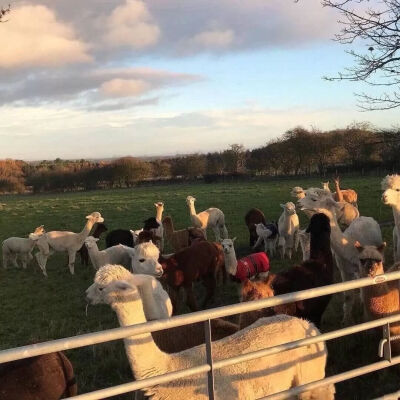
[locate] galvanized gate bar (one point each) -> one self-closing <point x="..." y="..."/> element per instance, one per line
<point x="210" y="373"/>
<point x="391" y="396"/>
<point x="131" y="386"/>
<point x="199" y="316"/>
<point x="353" y="373"/>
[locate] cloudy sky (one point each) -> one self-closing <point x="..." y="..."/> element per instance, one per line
<point x="106" y="78"/>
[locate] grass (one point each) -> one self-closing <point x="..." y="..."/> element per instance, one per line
<point x="34" y="309"/>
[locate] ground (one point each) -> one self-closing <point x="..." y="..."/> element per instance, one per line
<point x="35" y="309"/>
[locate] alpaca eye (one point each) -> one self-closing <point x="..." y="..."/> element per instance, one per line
<point x="101" y="288"/>
<point x="397" y="190"/>
<point x="141" y="260"/>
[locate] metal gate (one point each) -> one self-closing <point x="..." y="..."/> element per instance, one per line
<point x="210" y="366"/>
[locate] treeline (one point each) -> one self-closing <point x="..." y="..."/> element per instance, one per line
<point x="297" y="152"/>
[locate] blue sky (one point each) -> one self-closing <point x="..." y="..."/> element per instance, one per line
<point x="126" y="77"/>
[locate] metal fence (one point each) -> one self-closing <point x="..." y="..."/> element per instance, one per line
<point x="210" y="366"/>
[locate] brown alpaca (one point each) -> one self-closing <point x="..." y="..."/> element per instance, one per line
<point x="348" y="195"/>
<point x="182" y="238"/>
<point x="254" y="216"/>
<point x="45" y="377"/>
<point x="380" y="300"/>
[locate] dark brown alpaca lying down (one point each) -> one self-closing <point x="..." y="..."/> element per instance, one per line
<point x="318" y="271"/>
<point x="45" y="377"/>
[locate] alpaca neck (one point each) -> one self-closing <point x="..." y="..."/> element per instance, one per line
<point x="159" y="213"/>
<point x="339" y="193"/>
<point x="192" y="209"/>
<point x="231" y="262"/>
<point x="96" y="256"/>
<point x="145" y="358"/>
<point x="150" y="306"/>
<point x="396" y="216"/>
<point x="86" y="229"/>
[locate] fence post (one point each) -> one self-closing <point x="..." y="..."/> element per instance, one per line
<point x="210" y="373"/>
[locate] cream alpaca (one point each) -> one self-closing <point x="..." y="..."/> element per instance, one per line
<point x="63" y="241"/>
<point x="160" y="230"/>
<point x="391" y="197"/>
<point x="14" y="247"/>
<point x="156" y="302"/>
<point x="288" y="226"/>
<point x="363" y="229"/>
<point x="212" y="218"/>
<point x="245" y="381"/>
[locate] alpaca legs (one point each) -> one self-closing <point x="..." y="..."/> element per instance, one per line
<point x="42" y="261"/>
<point x="210" y="284"/>
<point x="281" y="246"/>
<point x="224" y="232"/>
<point x="258" y="242"/>
<point x="190" y="298"/>
<point x="216" y="233"/>
<point x="71" y="261"/>
<point x="25" y="260"/>
<point x="14" y="260"/>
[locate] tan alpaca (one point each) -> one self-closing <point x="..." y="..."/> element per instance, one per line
<point x="348" y="195"/>
<point x="380" y="300"/>
<point x="181" y="238"/>
<point x="211" y="218"/>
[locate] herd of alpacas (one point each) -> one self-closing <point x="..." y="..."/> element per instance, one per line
<point x="141" y="284"/>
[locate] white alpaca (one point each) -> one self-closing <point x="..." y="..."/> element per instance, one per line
<point x="246" y="380"/>
<point x="144" y="259"/>
<point x="267" y="235"/>
<point x="63" y="241"/>
<point x="212" y="218"/>
<point x="288" y="226"/>
<point x="298" y="193"/>
<point x="156" y="302"/>
<point x="363" y="229"/>
<point x="15" y="247"/>
<point x="160" y="230"/>
<point x="391" y="197"/>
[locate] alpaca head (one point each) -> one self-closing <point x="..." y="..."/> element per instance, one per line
<point x="227" y="245"/>
<point x="256" y="290"/>
<point x="112" y="284"/>
<point x="190" y="200"/>
<point x="99" y="228"/>
<point x="289" y="208"/>
<point x="37" y="233"/>
<point x="91" y="242"/>
<point x="95" y="217"/>
<point x="297" y="192"/>
<point x="391" y="186"/>
<point x="325" y="185"/>
<point x="319" y="201"/>
<point x="159" y="205"/>
<point x="319" y="223"/>
<point x="371" y="259"/>
<point x="145" y="259"/>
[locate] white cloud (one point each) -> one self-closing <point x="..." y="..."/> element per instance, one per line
<point x="34" y="37"/>
<point x="131" y="25"/>
<point x="125" y="87"/>
<point x="215" y="38"/>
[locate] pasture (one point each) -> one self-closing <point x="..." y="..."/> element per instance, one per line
<point x="35" y="309"/>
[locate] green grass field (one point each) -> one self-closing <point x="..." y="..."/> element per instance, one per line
<point x="35" y="309"/>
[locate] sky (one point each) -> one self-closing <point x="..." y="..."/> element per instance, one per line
<point x="110" y="78"/>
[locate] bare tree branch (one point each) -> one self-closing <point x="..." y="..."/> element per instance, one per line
<point x="3" y="12"/>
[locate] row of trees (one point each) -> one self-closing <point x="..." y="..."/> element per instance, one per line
<point x="297" y="151"/>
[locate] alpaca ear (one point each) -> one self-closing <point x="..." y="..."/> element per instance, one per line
<point x="358" y="246"/>
<point x="282" y="205"/>
<point x="234" y="239"/>
<point x="123" y="285"/>
<point x="96" y="239"/>
<point x="381" y="248"/>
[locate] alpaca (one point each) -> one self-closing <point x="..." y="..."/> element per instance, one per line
<point x="298" y="193"/>
<point x="288" y="227"/>
<point x="348" y="195"/>
<point x="304" y="239"/>
<point x="391" y="197"/>
<point x="141" y="259"/>
<point x="70" y="242"/>
<point x="256" y="264"/>
<point x="181" y="238"/>
<point x="14" y="247"/>
<point x="253" y="217"/>
<point x="211" y="218"/>
<point x="363" y="229"/>
<point x="44" y="377"/>
<point x="246" y="380"/>
<point x="98" y="229"/>
<point x="383" y="299"/>
<point x="157" y="305"/>
<point x="315" y="272"/>
<point x="267" y="233"/>
<point x="181" y="269"/>
<point x="160" y="230"/>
